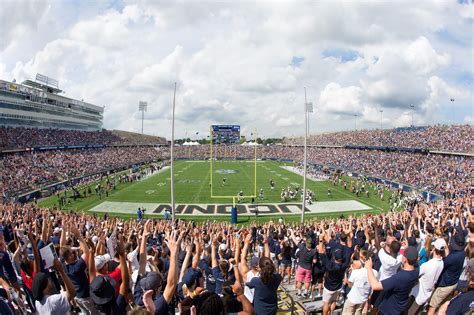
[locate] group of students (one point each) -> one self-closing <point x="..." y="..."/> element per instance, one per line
<point x="420" y="259"/>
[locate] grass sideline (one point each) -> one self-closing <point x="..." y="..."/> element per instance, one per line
<point x="192" y="180"/>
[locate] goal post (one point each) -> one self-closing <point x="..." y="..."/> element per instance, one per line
<point x="213" y="157"/>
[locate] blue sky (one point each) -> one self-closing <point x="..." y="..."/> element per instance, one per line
<point x="247" y="63"/>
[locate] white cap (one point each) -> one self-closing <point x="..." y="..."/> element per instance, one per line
<point x="101" y="260"/>
<point x="56" y="230"/>
<point x="95" y="238"/>
<point x="440" y="244"/>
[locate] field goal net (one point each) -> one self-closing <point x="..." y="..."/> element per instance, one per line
<point x="233" y="168"/>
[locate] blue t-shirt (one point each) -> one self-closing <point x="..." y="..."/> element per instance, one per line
<point x="423" y="257"/>
<point x="396" y="290"/>
<point x="161" y="306"/>
<point x="77" y="273"/>
<point x="265" y="297"/>
<point x="452" y="269"/>
<point x="217" y="274"/>
<point x="210" y="280"/>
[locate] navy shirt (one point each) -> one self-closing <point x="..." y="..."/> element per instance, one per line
<point x="334" y="273"/>
<point x="265" y="297"/>
<point x="452" y="269"/>
<point x="216" y="272"/>
<point x="161" y="306"/>
<point x="461" y="303"/>
<point x="77" y="273"/>
<point x="396" y="290"/>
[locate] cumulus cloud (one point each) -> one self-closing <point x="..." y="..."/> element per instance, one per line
<point x="235" y="62"/>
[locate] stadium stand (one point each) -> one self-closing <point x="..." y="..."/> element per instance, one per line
<point x="454" y="138"/>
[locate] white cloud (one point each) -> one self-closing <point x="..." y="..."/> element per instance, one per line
<point x="232" y="61"/>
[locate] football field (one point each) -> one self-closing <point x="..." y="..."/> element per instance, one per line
<point x="199" y="196"/>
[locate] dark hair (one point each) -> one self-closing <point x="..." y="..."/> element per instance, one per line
<point x="343" y="237"/>
<point x="210" y="303"/>
<point x="224" y="267"/>
<point x="395" y="247"/>
<point x="267" y="269"/>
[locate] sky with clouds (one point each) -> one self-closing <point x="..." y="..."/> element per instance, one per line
<point x="248" y="62"/>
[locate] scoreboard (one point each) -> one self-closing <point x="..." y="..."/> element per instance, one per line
<point x="225" y="134"/>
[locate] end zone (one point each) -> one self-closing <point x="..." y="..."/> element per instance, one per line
<point x="157" y="209"/>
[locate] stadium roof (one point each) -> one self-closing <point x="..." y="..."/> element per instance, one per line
<point x="42" y="86"/>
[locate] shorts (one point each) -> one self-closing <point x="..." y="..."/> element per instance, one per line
<point x="286" y="262"/>
<point x="317" y="277"/>
<point x="441" y="295"/>
<point x="330" y="296"/>
<point x="303" y="275"/>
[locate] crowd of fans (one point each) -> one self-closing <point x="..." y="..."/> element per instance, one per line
<point x="453" y="138"/>
<point x="35" y="169"/>
<point x="419" y="259"/>
<point x="21" y="138"/>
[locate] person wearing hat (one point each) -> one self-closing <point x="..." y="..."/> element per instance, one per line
<point x="102" y="287"/>
<point x="53" y="304"/>
<point x="335" y="270"/>
<point x="396" y="288"/>
<point x="307" y="257"/>
<point x="429" y="275"/>
<point x="452" y="269"/>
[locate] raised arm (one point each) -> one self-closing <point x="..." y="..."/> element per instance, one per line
<point x="374" y="282"/>
<point x="213" y="251"/>
<point x="82" y="243"/>
<point x="70" y="291"/>
<point x="142" y="257"/>
<point x="173" y="243"/>
<point x="123" y="267"/>
<point x="243" y="257"/>
<point x="36" y="255"/>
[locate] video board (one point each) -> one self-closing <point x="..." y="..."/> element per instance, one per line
<point x="225" y="134"/>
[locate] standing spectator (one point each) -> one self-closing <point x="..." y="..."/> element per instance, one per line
<point x="307" y="256"/>
<point x="48" y="303"/>
<point x="429" y="275"/>
<point x="359" y="284"/>
<point x="397" y="287"/>
<point x="452" y="270"/>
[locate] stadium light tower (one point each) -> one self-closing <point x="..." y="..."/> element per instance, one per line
<point x="142" y="106"/>
<point x="355" y="122"/>
<point x="308" y="108"/>
<point x="452" y="109"/>
<point x="412" y="112"/>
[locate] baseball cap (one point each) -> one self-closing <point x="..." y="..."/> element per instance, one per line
<point x="56" y="230"/>
<point x="254" y="262"/>
<point x="102" y="289"/>
<point x="190" y="278"/>
<point x="101" y="260"/>
<point x="40" y="282"/>
<point x="411" y="253"/>
<point x="411" y="241"/>
<point x="338" y="255"/>
<point x="458" y="242"/>
<point x="440" y="244"/>
<point x="309" y="242"/>
<point x="151" y="281"/>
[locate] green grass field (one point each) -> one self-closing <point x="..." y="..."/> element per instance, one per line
<point x="192" y="186"/>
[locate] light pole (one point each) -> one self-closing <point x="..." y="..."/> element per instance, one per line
<point x="142" y="106"/>
<point x="171" y="153"/>
<point x="308" y="108"/>
<point x="412" y="112"/>
<point x="381" y="112"/>
<point x="355" y="122"/>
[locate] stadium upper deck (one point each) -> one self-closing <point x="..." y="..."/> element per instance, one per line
<point x="39" y="105"/>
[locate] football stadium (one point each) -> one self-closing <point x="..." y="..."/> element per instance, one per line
<point x="264" y="158"/>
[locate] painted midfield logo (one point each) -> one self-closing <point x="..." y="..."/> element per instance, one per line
<point x="226" y="171"/>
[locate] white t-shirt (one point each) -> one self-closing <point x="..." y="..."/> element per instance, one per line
<point x="56" y="304"/>
<point x="361" y="288"/>
<point x="389" y="266"/>
<point x="247" y="291"/>
<point x="429" y="274"/>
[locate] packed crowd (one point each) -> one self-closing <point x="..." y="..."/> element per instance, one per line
<point x="440" y="173"/>
<point x="54" y="262"/>
<point x="453" y="138"/>
<point x="21" y="138"/>
<point x="32" y="170"/>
